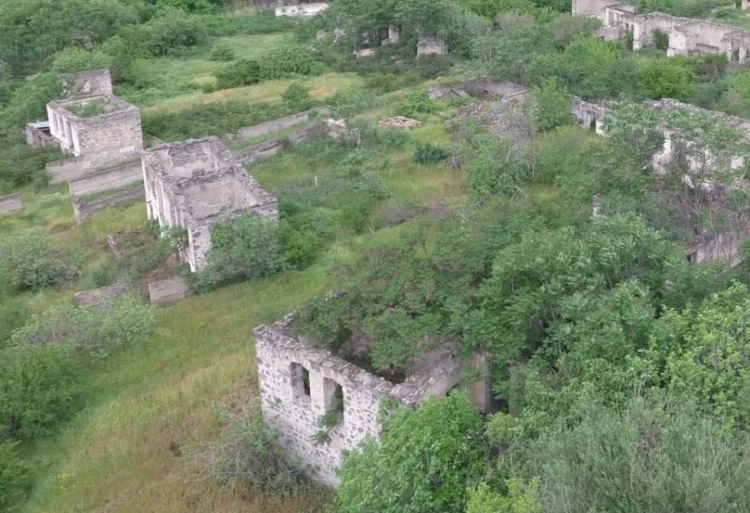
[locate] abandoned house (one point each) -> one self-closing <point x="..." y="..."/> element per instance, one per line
<point x="301" y="382"/>
<point x="300" y="9"/>
<point x="703" y="245"/>
<point x="686" y="36"/>
<point x="83" y="83"/>
<point x="431" y="45"/>
<point x="99" y="130"/>
<point x="195" y="183"/>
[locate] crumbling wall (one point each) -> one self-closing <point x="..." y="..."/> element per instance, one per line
<point x="431" y="45"/>
<point x="298" y="382"/>
<point x="293" y="409"/>
<point x="130" y="173"/>
<point x="646" y="24"/>
<point x="85" y="83"/>
<point x="11" y="203"/>
<point x="38" y="135"/>
<point x="722" y="246"/>
<point x="83" y="209"/>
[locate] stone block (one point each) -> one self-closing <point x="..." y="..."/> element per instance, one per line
<point x="166" y="292"/>
<point x="11" y="203"/>
<point x="91" y="297"/>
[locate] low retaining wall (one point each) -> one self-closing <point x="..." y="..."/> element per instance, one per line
<point x="116" y="178"/>
<point x="78" y="167"/>
<point x="251" y="132"/>
<point x="10" y="204"/>
<point x="83" y="209"/>
<point x="268" y="149"/>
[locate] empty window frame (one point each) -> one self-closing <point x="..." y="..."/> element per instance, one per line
<point x="300" y="382"/>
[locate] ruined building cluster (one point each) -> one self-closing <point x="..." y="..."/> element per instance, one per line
<point x="687" y="36"/>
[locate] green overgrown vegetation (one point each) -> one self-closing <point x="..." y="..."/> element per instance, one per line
<point x="618" y="369"/>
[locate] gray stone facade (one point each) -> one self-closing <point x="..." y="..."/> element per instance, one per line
<point x="687" y="36"/>
<point x="299" y="383"/>
<point x="195" y="183"/>
<point x="111" y="134"/>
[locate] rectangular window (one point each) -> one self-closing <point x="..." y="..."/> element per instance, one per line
<point x="334" y="399"/>
<point x="300" y="382"/>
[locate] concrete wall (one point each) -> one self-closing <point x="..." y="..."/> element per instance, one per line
<point x="10" y="204"/>
<point x="131" y="173"/>
<point x="84" y="209"/>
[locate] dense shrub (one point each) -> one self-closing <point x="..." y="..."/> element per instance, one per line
<point x="15" y="479"/>
<point x="98" y="329"/>
<point x="297" y="96"/>
<point x="214" y="118"/>
<point x="78" y="59"/>
<point x="248" y="454"/>
<point x="172" y="31"/>
<point x="30" y="260"/>
<point x="427" y="153"/>
<point x="23" y="165"/>
<point x="300" y="247"/>
<point x="221" y="53"/>
<point x="13" y="314"/>
<point x="38" y="389"/>
<point x="288" y="61"/>
<point x="248" y="246"/>
<point x="240" y="73"/>
<point x="416" y="103"/>
<point x="28" y="102"/>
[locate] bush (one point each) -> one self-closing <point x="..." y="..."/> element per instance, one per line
<point x="23" y="165"/>
<point x="297" y="97"/>
<point x="13" y="314"/>
<point x="288" y="61"/>
<point x="248" y="246"/>
<point x="15" y="480"/>
<point x="28" y="102"/>
<point x="29" y="261"/>
<point x="78" y="59"/>
<point x="429" y="154"/>
<point x="222" y="53"/>
<point x="241" y="73"/>
<point x="300" y="247"/>
<point x="171" y="32"/>
<point x="416" y="103"/>
<point x="97" y="329"/>
<point x="248" y="454"/>
<point x="38" y="389"/>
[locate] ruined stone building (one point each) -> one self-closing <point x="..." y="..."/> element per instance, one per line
<point x="686" y="36"/>
<point x="195" y="183"/>
<point x="300" y="382"/>
<point x="704" y="245"/>
<point x="300" y="8"/>
<point x="99" y="130"/>
<point x="431" y="45"/>
<point x="83" y="83"/>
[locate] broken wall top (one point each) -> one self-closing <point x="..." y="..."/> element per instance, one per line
<point x="86" y="83"/>
<point x="111" y="105"/>
<point x="433" y="373"/>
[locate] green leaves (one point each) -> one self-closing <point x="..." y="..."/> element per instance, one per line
<point x="424" y="463"/>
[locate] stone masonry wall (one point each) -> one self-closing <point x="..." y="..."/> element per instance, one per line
<point x="83" y="209"/>
<point x="294" y="412"/>
<point x="130" y="173"/>
<point x="10" y="204"/>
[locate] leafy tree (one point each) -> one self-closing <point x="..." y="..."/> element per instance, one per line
<point x="28" y="102"/>
<point x="38" y="389"/>
<point x="248" y="246"/>
<point x="551" y="106"/>
<point x="78" y="59"/>
<point x="654" y="456"/>
<point x="425" y="461"/>
<point x="240" y="73"/>
<point x="15" y="479"/>
<point x="704" y="351"/>
<point x="666" y="78"/>
<point x="30" y="260"/>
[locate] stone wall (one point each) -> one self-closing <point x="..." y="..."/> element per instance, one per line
<point x="431" y="45"/>
<point x="38" y="135"/>
<point x="85" y="83"/>
<point x="299" y="382"/>
<point x="10" y="204"/>
<point x="293" y="409"/>
<point x="270" y="127"/>
<point x="268" y="149"/>
<point x="83" y="209"/>
<point x="116" y="178"/>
